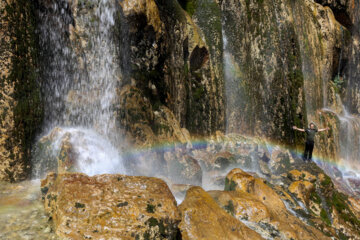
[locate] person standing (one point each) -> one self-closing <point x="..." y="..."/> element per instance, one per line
<point x="310" y="139"/>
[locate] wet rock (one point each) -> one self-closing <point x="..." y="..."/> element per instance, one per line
<point x="49" y="156"/>
<point x="302" y="190"/>
<point x="120" y="206"/>
<point x="283" y="223"/>
<point x="243" y="206"/>
<point x="264" y="168"/>
<point x="135" y="115"/>
<point x="202" y="218"/>
<point x="145" y="126"/>
<point x="239" y="180"/>
<point x="183" y="168"/>
<point x="222" y="160"/>
<point x="281" y="161"/>
<point x="22" y="214"/>
<point x="169" y="61"/>
<point x="167" y="127"/>
<point x="296" y="175"/>
<point x="21" y="108"/>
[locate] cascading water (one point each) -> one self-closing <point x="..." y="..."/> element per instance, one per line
<point x="348" y="134"/>
<point x="81" y="82"/>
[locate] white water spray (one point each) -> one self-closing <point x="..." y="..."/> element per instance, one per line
<point x="81" y="91"/>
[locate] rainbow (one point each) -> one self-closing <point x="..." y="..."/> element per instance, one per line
<point x="203" y="143"/>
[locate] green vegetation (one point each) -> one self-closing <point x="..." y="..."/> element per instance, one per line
<point x="150" y="208"/>
<point x="123" y="204"/>
<point x="338" y="201"/>
<point x="338" y="84"/>
<point x="326" y="182"/>
<point x="324" y="216"/>
<point x="230" y="207"/>
<point x="162" y="230"/>
<point x="79" y="205"/>
<point x="229" y="185"/>
<point x="189" y="6"/>
<point x="315" y="197"/>
<point x="44" y="190"/>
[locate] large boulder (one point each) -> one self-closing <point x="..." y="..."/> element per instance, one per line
<point x="110" y="206"/>
<point x="243" y="206"/>
<point x="183" y="168"/>
<point x="203" y="219"/>
<point x="282" y="223"/>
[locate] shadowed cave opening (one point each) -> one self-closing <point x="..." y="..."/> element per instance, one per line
<point x="339" y="11"/>
<point x="198" y="58"/>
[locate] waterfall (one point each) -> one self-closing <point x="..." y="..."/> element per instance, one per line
<point x="81" y="79"/>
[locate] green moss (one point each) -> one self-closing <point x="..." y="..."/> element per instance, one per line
<point x="324" y="216"/>
<point x="123" y="204"/>
<point x="44" y="190"/>
<point x="79" y="205"/>
<point x="230" y="185"/>
<point x="338" y="201"/>
<point x="315" y="197"/>
<point x="230" y="207"/>
<point x="189" y="6"/>
<point x="162" y="230"/>
<point x="198" y="93"/>
<point x="150" y="208"/>
<point x="326" y="182"/>
<point x="342" y="236"/>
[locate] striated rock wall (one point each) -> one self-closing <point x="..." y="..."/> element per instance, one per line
<point x="20" y="103"/>
<point x="173" y="65"/>
<point x="278" y="60"/>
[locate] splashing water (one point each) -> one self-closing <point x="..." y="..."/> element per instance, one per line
<point x="81" y="81"/>
<point x="93" y="153"/>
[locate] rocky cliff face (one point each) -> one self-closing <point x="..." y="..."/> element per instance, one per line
<point x="20" y="103"/>
<point x="160" y="53"/>
<point x="280" y="57"/>
<point x="267" y="65"/>
<point x="347" y="13"/>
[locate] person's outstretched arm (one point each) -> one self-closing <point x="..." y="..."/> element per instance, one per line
<point x="323" y="129"/>
<point x="298" y="129"/>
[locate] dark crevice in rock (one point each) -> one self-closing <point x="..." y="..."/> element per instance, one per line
<point x="339" y="10"/>
<point x="198" y="58"/>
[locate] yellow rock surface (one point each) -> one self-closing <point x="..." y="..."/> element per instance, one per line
<point x="241" y="205"/>
<point x="203" y="219"/>
<point x="286" y="224"/>
<point x="239" y="180"/>
<point x="302" y="190"/>
<point x="109" y="206"/>
<point x="296" y="175"/>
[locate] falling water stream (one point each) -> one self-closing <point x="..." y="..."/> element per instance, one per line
<point x="81" y="89"/>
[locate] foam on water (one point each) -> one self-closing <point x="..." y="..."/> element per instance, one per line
<point x="94" y="153"/>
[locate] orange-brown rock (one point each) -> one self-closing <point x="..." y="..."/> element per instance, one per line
<point x="143" y="125"/>
<point x="284" y="224"/>
<point x="302" y="190"/>
<point x="241" y="205"/>
<point x="110" y="206"/>
<point x="237" y="179"/>
<point x="296" y="175"/>
<point x="203" y="219"/>
<point x="355" y="206"/>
